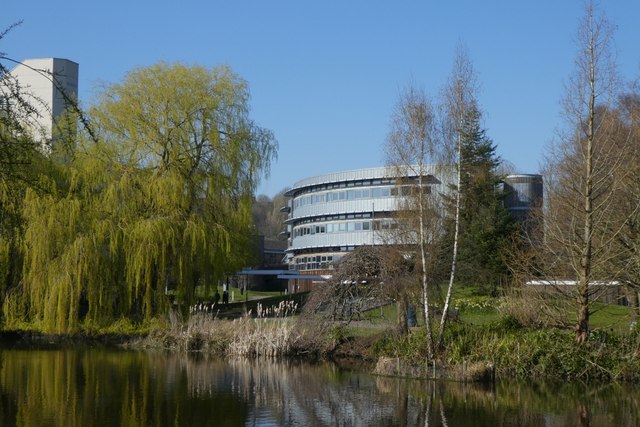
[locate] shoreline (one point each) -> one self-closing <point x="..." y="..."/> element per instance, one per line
<point x="515" y="355"/>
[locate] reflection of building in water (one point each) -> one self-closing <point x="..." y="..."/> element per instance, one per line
<point x="290" y="393"/>
<point x="109" y="387"/>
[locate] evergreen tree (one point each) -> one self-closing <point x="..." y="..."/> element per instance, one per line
<point x="485" y="224"/>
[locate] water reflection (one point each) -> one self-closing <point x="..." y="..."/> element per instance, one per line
<point x="123" y="388"/>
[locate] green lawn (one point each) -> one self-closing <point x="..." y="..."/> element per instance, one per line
<point x="476" y="309"/>
<point x="610" y="317"/>
<point x="473" y="309"/>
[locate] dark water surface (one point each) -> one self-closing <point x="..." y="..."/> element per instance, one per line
<point x="106" y="387"/>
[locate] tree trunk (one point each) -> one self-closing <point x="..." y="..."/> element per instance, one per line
<point x="634" y="303"/>
<point x="584" y="275"/>
<point x="423" y="260"/>
<point x="454" y="258"/>
<point x="582" y="326"/>
<point x="401" y="305"/>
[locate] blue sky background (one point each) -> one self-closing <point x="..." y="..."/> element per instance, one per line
<point x="324" y="76"/>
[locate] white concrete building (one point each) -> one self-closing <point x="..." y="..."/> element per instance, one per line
<point x="47" y="84"/>
<point x="330" y="215"/>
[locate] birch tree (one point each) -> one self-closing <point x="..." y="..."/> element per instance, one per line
<point x="461" y="111"/>
<point x="412" y="150"/>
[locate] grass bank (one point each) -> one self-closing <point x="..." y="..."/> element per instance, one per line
<point x="482" y="341"/>
<point x="485" y="335"/>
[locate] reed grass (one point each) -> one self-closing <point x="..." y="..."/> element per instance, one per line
<point x="271" y="333"/>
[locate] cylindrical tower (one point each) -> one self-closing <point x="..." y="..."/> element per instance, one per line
<point x="523" y="193"/>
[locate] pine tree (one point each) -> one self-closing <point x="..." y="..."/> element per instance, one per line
<point x="485" y="224"/>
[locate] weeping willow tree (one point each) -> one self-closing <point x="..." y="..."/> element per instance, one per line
<point x="21" y="164"/>
<point x="160" y="204"/>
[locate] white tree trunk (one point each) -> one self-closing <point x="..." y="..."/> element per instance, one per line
<point x="456" y="233"/>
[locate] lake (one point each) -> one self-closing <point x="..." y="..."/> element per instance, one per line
<point x="111" y="387"/>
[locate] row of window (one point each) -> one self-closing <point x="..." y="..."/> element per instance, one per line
<point x="365" y="193"/>
<point x="348" y="184"/>
<point x="345" y="226"/>
<point x="334" y="217"/>
<point x="317" y="262"/>
<point x="336" y="227"/>
<point x="328" y="249"/>
<point x="337" y="196"/>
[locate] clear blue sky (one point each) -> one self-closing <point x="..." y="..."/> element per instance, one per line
<point x="325" y="75"/>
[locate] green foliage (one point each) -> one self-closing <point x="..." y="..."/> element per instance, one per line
<point x="521" y="352"/>
<point x="336" y="334"/>
<point x="162" y="201"/>
<point x="412" y="347"/>
<point x="544" y="353"/>
<point x="485" y="225"/>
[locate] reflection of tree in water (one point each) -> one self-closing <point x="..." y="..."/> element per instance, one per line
<point x="84" y="387"/>
<point x="296" y="393"/>
<point x="317" y="395"/>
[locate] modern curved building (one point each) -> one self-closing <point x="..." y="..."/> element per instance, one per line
<point x="330" y="215"/>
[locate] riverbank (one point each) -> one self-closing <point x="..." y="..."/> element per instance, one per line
<point x="34" y="339"/>
<point x="498" y="349"/>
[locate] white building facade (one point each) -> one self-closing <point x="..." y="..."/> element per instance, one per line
<point x="331" y="215"/>
<point x="49" y="85"/>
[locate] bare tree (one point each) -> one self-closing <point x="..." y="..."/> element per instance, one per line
<point x="583" y="170"/>
<point x="412" y="150"/>
<point x="267" y="215"/>
<point x="354" y="287"/>
<point x="461" y="109"/>
<point x="627" y="197"/>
